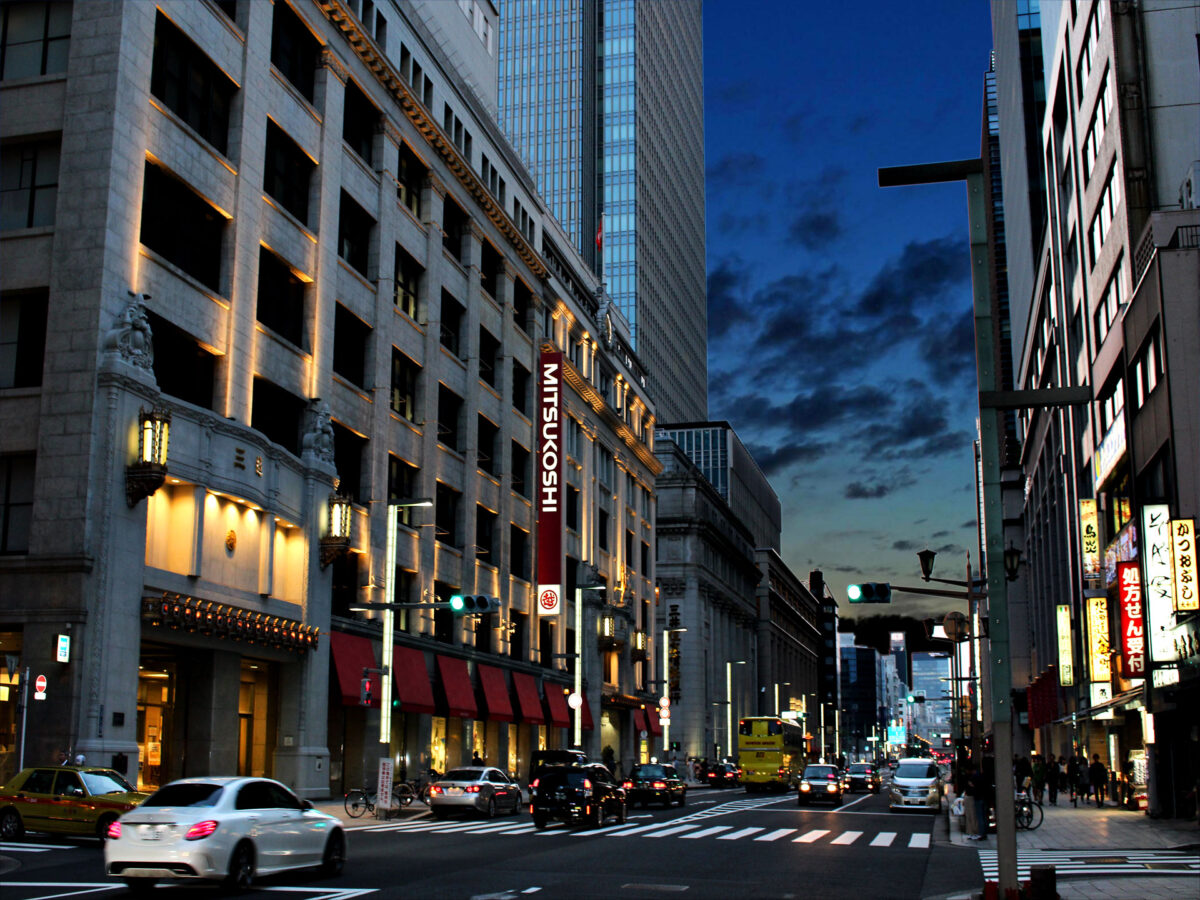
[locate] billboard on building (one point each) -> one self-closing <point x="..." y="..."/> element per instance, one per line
<point x="1183" y="558"/>
<point x="1133" y="626"/>
<point x="550" y="484"/>
<point x="1158" y="592"/>
<point x="1099" y="647"/>
<point x="1089" y="533"/>
<point x="1066" y="658"/>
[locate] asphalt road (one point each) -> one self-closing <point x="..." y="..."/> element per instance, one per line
<point x="723" y="845"/>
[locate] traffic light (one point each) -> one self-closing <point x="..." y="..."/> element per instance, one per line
<point x="473" y="604"/>
<point x="869" y="592"/>
<point x="364" y="692"/>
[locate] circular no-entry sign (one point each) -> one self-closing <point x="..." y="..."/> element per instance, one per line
<point x="39" y="685"/>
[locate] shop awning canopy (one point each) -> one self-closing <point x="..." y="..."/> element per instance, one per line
<point x="639" y="722"/>
<point x="495" y="694"/>
<point x="652" y="723"/>
<point x="556" y="705"/>
<point x="460" y="697"/>
<point x="588" y="725"/>
<point x="527" y="699"/>
<point x="1125" y="698"/>
<point x="352" y="654"/>
<point x="412" y="685"/>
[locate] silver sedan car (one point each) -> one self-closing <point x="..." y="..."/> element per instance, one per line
<point x="480" y="789"/>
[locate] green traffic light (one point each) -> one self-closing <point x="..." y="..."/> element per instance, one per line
<point x="854" y="592"/>
<point x="457" y="603"/>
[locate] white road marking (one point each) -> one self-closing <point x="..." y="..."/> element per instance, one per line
<point x="716" y="829"/>
<point x="847" y="837"/>
<point x="738" y="835"/>
<point x="919" y="840"/>
<point x="638" y="830"/>
<point x="884" y="839"/>
<point x="669" y="831"/>
<point x="815" y="835"/>
<point x="775" y="835"/>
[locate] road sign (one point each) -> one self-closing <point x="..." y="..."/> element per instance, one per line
<point x="39" y="688"/>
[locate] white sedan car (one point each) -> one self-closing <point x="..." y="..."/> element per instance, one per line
<point x="226" y="830"/>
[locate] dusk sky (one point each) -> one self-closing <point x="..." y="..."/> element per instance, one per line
<point x="841" y="346"/>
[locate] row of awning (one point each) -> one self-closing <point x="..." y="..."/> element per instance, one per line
<point x="414" y="687"/>
<point x="647" y="720"/>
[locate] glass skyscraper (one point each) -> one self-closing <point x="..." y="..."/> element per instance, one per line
<point x="604" y="99"/>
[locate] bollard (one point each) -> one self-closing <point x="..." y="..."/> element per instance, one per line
<point x="1042" y="883"/>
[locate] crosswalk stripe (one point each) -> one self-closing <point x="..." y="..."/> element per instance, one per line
<point x="738" y="835"/>
<point x="33" y="848"/>
<point x="815" y="835"/>
<point x="635" y="830"/>
<point x="525" y="829"/>
<point x="495" y="829"/>
<point x="669" y="831"/>
<point x="919" y="840"/>
<point x="884" y="839"/>
<point x="716" y="829"/>
<point x="594" y="831"/>
<point x="775" y="835"/>
<point x="847" y="837"/>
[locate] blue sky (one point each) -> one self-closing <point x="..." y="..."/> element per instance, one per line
<point x="840" y="338"/>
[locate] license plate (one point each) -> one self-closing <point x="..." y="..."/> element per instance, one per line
<point x="154" y="832"/>
<point x="453" y="791"/>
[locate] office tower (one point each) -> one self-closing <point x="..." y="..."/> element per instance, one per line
<point x="604" y="98"/>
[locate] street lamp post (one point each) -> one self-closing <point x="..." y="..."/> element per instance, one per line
<point x="729" y="703"/>
<point x="666" y="686"/>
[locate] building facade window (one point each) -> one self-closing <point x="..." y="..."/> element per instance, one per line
<point x="294" y="50"/>
<point x="453" y="314"/>
<point x="402" y="485"/>
<point x="277" y="413"/>
<point x="406" y="375"/>
<point x="518" y="552"/>
<point x="1111" y="303"/>
<point x="521" y="482"/>
<point x="602" y="529"/>
<point x="447" y="509"/>
<point x="181" y="227"/>
<point x="287" y="172"/>
<point x="22" y="338"/>
<point x="35" y="39"/>
<point x="354" y="234"/>
<point x="28" y="184"/>
<point x="520" y="388"/>
<point x="359" y="123"/>
<point x="183" y="367"/>
<point x="489" y="357"/>
<point x="450" y="407"/>
<point x="408" y="282"/>
<point x="16" y="501"/>
<point x="486" y="456"/>
<point x="190" y="84"/>
<point x="1147" y="371"/>
<point x="280" y="303"/>
<point x="1103" y="218"/>
<point x="410" y="179"/>
<point x="351" y="343"/>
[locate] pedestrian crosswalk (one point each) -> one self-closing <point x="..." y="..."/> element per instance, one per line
<point x="23" y="847"/>
<point x="1097" y="862"/>
<point x="686" y="828"/>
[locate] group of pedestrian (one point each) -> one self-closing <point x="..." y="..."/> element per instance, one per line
<point x="1086" y="782"/>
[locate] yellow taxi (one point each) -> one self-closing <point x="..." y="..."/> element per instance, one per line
<point x="82" y="800"/>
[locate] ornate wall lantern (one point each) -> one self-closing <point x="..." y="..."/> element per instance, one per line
<point x="146" y="474"/>
<point x="641" y="645"/>
<point x="337" y="541"/>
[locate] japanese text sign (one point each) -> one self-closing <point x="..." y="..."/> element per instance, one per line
<point x="1089" y="531"/>
<point x="1133" y="623"/>
<point x="1183" y="556"/>
<point x="1159" y="588"/>
<point x="1098" y="643"/>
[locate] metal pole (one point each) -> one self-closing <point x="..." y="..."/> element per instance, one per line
<point x="666" y="692"/>
<point x="24" y="710"/>
<point x="729" y="708"/>
<point x="577" y="731"/>
<point x="389" y="627"/>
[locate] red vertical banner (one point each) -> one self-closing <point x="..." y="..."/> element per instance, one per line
<point x="1133" y="623"/>
<point x="550" y="488"/>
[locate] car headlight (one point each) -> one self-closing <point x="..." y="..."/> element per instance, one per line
<point x="832" y="788"/>
<point x="805" y="786"/>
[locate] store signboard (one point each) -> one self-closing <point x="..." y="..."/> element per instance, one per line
<point x="1099" y="648"/>
<point x="1183" y="559"/>
<point x="550" y="480"/>
<point x="1158" y="592"/>
<point x="1100" y="694"/>
<point x="1133" y="623"/>
<point x="1110" y="452"/>
<point x="1089" y="532"/>
<point x="1066" y="661"/>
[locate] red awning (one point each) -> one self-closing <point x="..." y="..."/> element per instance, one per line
<point x="652" y="723"/>
<point x="556" y="706"/>
<point x="639" y="723"/>
<point x="527" y="699"/>
<point x="414" y="690"/>
<point x="460" y="697"/>
<point x="587" y="714"/>
<point x="352" y="654"/>
<point x="495" y="694"/>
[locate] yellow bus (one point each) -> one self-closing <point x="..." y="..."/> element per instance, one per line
<point x="771" y="752"/>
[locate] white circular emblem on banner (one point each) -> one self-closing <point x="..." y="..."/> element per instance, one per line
<point x="548" y="601"/>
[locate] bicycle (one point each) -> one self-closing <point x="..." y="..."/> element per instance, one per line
<point x="1028" y="813"/>
<point x="360" y="801"/>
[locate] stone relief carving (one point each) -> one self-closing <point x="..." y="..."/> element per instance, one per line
<point x="318" y="436"/>
<point x="130" y="336"/>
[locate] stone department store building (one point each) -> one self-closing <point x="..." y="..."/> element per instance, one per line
<point x="291" y="230"/>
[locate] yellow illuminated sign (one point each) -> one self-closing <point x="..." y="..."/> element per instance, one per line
<point x="1099" y="649"/>
<point x="1089" y="535"/>
<point x="1183" y="558"/>
<point x="1066" y="661"/>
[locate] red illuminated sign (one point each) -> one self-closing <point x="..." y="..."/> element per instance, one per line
<point x="1133" y="622"/>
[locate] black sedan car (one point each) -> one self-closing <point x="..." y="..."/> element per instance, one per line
<point x="654" y="783"/>
<point x="863" y="777"/>
<point x="820" y="782"/>
<point x="723" y="775"/>
<point x="585" y="795"/>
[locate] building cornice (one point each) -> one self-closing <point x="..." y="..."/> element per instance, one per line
<point x="588" y="393"/>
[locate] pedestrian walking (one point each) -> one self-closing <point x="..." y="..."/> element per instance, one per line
<point x="1052" y="779"/>
<point x="1039" y="777"/>
<point x="1073" y="778"/>
<point x="476" y="759"/>
<point x="1084" y="787"/>
<point x="1098" y="778"/>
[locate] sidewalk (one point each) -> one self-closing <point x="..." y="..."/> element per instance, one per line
<point x="1087" y="827"/>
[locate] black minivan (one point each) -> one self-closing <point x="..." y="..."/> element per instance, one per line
<point x="583" y="794"/>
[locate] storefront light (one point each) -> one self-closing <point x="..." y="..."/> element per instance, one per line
<point x="148" y="471"/>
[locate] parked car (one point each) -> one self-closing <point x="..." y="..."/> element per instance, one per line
<point x="916" y="784"/>
<point x="483" y="790"/>
<point x="81" y="800"/>
<point x="863" y="777"/>
<point x="541" y="758"/>
<point x="584" y="794"/>
<point x="227" y="830"/>
<point x="723" y="775"/>
<point x="820" y="781"/>
<point x="654" y="783"/>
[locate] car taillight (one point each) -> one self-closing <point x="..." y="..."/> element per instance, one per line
<point x="201" y="830"/>
<point x="472" y="789"/>
<point x="660" y="785"/>
<point x="434" y="789"/>
<point x="627" y="785"/>
<point x="587" y="784"/>
<point x="114" y="830"/>
<point x="535" y="783"/>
